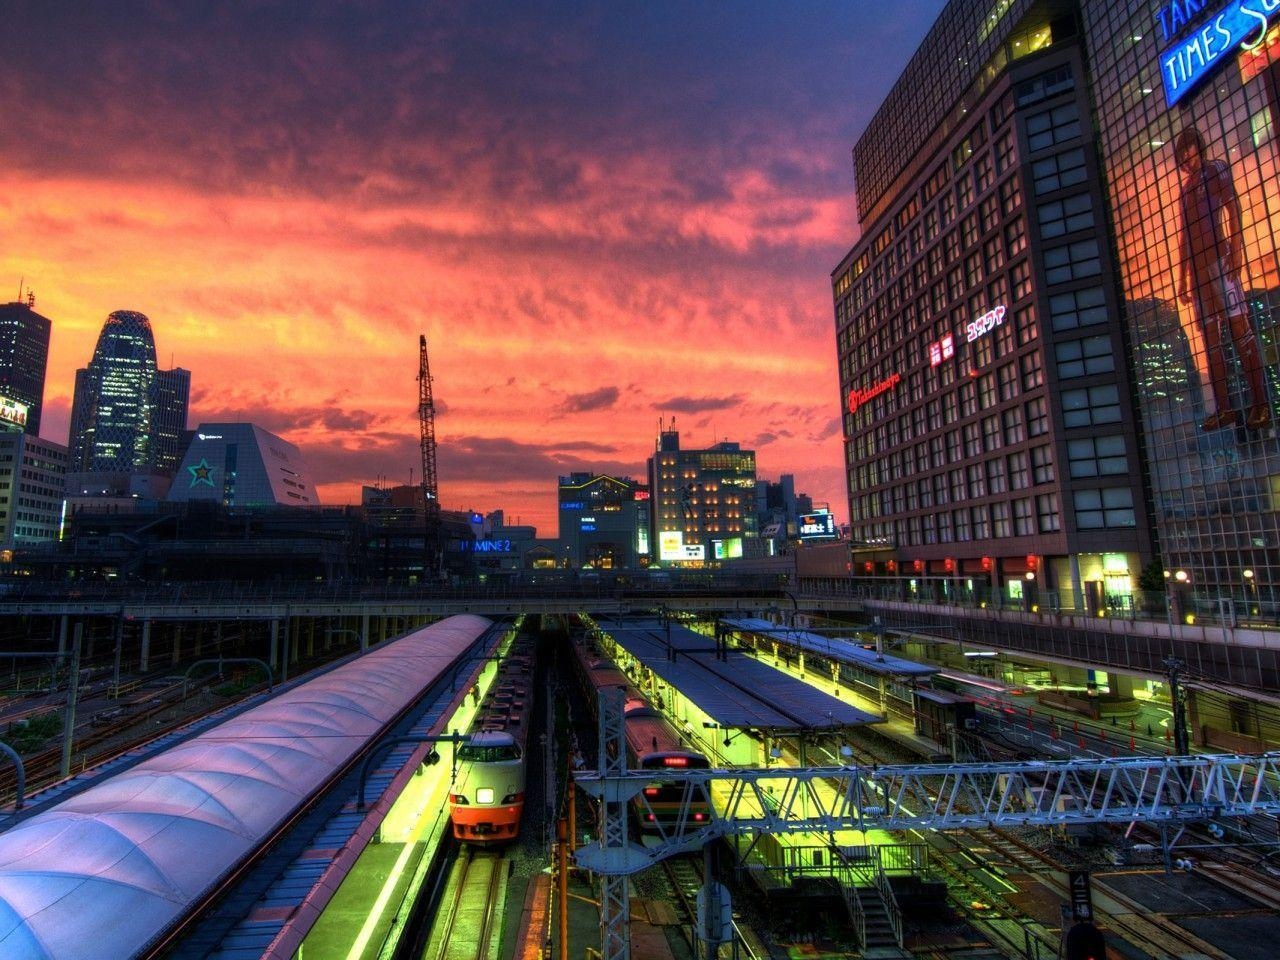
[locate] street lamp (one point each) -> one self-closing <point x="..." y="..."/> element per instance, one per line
<point x="1252" y="586"/>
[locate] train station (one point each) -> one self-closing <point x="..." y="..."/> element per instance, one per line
<point x="445" y="793"/>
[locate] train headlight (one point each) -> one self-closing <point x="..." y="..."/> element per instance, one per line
<point x="457" y="799"/>
<point x="484" y="795"/>
<point x="513" y="798"/>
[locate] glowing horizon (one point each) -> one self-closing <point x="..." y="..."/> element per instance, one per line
<point x="596" y="218"/>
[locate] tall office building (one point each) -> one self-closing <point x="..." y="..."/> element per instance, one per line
<point x="128" y="417"/>
<point x="990" y="433"/>
<point x="702" y="502"/>
<point x="24" y="356"/>
<point x="32" y="472"/>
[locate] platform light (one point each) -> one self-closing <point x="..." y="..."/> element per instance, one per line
<point x="1182" y="576"/>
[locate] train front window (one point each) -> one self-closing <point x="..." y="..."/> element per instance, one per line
<point x="503" y="753"/>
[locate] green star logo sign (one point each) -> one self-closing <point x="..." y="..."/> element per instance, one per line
<point x="201" y="473"/>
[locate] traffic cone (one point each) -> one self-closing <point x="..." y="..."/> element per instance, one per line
<point x="1132" y="728"/>
<point x="1075" y="726"/>
<point x="1168" y="734"/>
<point x="1102" y="735"/>
<point x="1082" y="743"/>
<point x="1053" y="732"/>
<point x="1133" y="744"/>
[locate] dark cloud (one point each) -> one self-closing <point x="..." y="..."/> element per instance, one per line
<point x="829" y="429"/>
<point x="601" y="399"/>
<point x="698" y="404"/>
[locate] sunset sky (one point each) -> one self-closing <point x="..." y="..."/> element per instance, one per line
<point x="599" y="215"/>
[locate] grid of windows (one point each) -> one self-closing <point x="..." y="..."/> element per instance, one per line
<point x="964" y="416"/>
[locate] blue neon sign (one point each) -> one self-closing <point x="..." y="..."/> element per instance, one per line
<point x="1241" y="23"/>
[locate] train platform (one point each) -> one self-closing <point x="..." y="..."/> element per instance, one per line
<point x="734" y="690"/>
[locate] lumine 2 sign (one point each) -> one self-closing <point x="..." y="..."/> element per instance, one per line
<point x="1239" y="24"/>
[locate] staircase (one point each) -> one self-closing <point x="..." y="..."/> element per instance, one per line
<point x="878" y="939"/>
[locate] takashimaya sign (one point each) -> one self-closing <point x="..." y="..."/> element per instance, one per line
<point x="1240" y="23"/>
<point x="858" y="397"/>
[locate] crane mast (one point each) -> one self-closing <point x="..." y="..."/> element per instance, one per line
<point x="432" y="540"/>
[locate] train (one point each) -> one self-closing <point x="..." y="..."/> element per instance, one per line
<point x="939" y="714"/>
<point x="652" y="744"/>
<point x="986" y="692"/>
<point x="486" y="801"/>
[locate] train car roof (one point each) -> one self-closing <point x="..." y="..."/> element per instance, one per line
<point x="738" y="693"/>
<point x="835" y="648"/>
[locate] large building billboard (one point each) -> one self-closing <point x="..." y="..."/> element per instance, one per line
<point x="1188" y="115"/>
<point x="13" y="414"/>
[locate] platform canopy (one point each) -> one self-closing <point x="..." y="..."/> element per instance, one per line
<point x="739" y="692"/>
<point x="839" y="649"/>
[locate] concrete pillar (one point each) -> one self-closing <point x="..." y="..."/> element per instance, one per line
<point x="296" y="645"/>
<point x="146" y="646"/>
<point x="364" y="631"/>
<point x="177" y="644"/>
<point x="311" y="638"/>
<point x="1121" y="687"/>
<point x="1077" y="589"/>
<point x="273" y="654"/>
<point x="62" y="635"/>
<point x="198" y="650"/>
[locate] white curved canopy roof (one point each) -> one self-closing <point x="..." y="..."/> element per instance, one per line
<point x="105" y="873"/>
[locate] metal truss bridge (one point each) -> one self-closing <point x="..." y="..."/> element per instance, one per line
<point x="1154" y="790"/>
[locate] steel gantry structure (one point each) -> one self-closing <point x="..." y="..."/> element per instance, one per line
<point x="1159" y="790"/>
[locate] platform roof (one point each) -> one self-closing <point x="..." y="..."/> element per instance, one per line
<point x="738" y="693"/>
<point x="836" y="648"/>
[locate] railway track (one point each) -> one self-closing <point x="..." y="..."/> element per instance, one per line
<point x="468" y="923"/>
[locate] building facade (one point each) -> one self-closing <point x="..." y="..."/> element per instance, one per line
<point x="242" y="465"/>
<point x="32" y="473"/>
<point x="604" y="522"/>
<point x="127" y="416"/>
<point x="1187" y="101"/>
<point x="702" y="506"/>
<point x="991" y="440"/>
<point x="24" y="357"/>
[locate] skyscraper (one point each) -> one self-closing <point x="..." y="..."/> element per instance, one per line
<point x="127" y="416"/>
<point x="24" y="354"/>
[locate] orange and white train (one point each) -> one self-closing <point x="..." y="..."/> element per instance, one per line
<point x="487" y="797"/>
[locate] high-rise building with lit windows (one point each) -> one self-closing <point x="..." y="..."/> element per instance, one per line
<point x="702" y="502"/>
<point x="24" y="356"/>
<point x="128" y="417"/>
<point x="992" y="444"/>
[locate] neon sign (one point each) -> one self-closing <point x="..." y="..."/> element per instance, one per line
<point x="1192" y="58"/>
<point x="989" y="320"/>
<point x="940" y="350"/>
<point x="858" y="397"/>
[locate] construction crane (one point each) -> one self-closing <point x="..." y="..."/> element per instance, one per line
<point x="433" y="552"/>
